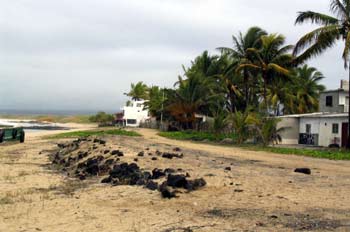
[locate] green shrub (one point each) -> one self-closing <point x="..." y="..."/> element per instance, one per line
<point x="196" y="136"/>
<point x="102" y="118"/>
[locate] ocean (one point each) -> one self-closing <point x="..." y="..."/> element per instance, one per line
<point x="31" y="125"/>
<point x="48" y="112"/>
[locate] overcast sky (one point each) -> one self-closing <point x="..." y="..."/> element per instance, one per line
<point x="84" y="54"/>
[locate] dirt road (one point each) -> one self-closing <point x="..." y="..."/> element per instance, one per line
<point x="261" y="192"/>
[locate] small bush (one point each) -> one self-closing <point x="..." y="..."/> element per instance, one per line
<point x="102" y="118"/>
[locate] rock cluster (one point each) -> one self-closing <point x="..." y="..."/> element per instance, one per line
<point x="88" y="157"/>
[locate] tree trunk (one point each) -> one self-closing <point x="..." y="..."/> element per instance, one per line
<point x="246" y="82"/>
<point x="348" y="145"/>
<point x="265" y="97"/>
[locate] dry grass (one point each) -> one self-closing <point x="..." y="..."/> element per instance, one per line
<point x="16" y="197"/>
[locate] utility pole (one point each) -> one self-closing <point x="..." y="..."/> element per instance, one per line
<point x="161" y="113"/>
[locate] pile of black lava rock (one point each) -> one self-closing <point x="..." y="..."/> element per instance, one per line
<point x="131" y="174"/>
<point x="83" y="158"/>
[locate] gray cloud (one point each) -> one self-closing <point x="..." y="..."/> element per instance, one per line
<point x="83" y="54"/>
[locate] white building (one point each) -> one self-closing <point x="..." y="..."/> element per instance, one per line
<point x="324" y="128"/>
<point x="135" y="113"/>
<point x="317" y="129"/>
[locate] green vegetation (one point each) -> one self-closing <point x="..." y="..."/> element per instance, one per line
<point x="248" y="84"/>
<point x="102" y="118"/>
<point x="239" y="91"/>
<point x="197" y="136"/>
<point x="334" y="154"/>
<point x="77" y="134"/>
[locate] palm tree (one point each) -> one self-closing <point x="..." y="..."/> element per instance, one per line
<point x="156" y="99"/>
<point x="230" y="83"/>
<point x="241" y="123"/>
<point x="240" y="53"/>
<point x="204" y="72"/>
<point x="138" y="91"/>
<point x="306" y="83"/>
<point x="270" y="59"/>
<point x="280" y="95"/>
<point x="188" y="99"/>
<point x="332" y="29"/>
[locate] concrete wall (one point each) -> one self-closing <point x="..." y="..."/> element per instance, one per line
<point x="344" y="101"/>
<point x="314" y="122"/>
<point x="340" y="102"/>
<point x="326" y="136"/>
<point x="336" y="108"/>
<point x="290" y="135"/>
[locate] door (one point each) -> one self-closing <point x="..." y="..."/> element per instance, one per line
<point x="344" y="135"/>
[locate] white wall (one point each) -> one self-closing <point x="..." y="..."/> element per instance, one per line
<point x="326" y="136"/>
<point x="135" y="112"/>
<point x="323" y="127"/>
<point x="290" y="135"/>
<point x="314" y="122"/>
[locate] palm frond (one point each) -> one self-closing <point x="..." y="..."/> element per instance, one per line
<point x="324" y="39"/>
<point x="339" y="8"/>
<point x="346" y="50"/>
<point x="313" y="37"/>
<point x="277" y="68"/>
<point x="315" y="17"/>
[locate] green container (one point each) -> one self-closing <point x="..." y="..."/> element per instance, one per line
<point x="12" y="134"/>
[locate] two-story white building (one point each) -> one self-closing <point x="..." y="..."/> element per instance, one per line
<point x="324" y="128"/>
<point x="134" y="113"/>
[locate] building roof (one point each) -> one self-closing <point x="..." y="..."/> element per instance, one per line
<point x="335" y="90"/>
<point x="317" y="115"/>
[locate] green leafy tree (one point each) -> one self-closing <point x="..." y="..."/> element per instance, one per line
<point x="267" y="130"/>
<point x="138" y="91"/>
<point x="270" y="59"/>
<point x="280" y="95"/>
<point x="240" y="55"/>
<point x="333" y="28"/>
<point x="102" y="118"/>
<point x="219" y="119"/>
<point x="241" y="123"/>
<point x="307" y="89"/>
<point x="189" y="97"/>
<point x="155" y="102"/>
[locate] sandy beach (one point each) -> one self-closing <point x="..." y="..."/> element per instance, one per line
<point x="261" y="192"/>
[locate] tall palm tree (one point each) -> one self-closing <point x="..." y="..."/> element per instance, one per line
<point x="270" y="59"/>
<point x="138" y="91"/>
<point x="307" y="89"/>
<point x="332" y="29"/>
<point x="239" y="52"/>
<point x="204" y="72"/>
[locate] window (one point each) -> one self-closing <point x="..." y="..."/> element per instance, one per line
<point x="131" y="121"/>
<point x="139" y="105"/>
<point x="308" y="128"/>
<point x="329" y="101"/>
<point x="335" y="128"/>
